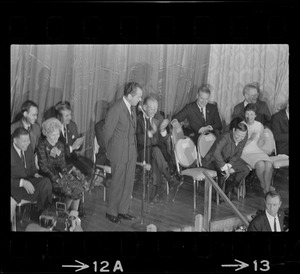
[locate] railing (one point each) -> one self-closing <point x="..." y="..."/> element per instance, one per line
<point x="209" y="183"/>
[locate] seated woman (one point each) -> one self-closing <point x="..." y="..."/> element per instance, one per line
<point x="52" y="162"/>
<point x="252" y="154"/>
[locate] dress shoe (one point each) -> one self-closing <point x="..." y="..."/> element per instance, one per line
<point x="112" y="218"/>
<point x="126" y="216"/>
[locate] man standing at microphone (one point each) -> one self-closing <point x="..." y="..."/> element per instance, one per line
<point x="120" y="142"/>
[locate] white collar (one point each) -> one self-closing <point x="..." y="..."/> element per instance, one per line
<point x="287" y="114"/>
<point x="245" y="103"/>
<point x="127" y="104"/>
<point x="271" y="220"/>
<point x="26" y="126"/>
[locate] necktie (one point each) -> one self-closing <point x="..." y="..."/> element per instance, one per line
<point x="66" y="134"/>
<point x="275" y="229"/>
<point x="32" y="137"/>
<point x="202" y="112"/>
<point x="23" y="158"/>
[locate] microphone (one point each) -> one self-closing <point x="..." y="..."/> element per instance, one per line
<point x="141" y="109"/>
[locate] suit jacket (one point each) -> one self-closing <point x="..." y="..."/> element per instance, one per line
<point x="261" y="223"/>
<point x="18" y="171"/>
<point x="263" y="114"/>
<point x="101" y="157"/>
<point x="35" y="132"/>
<point x="156" y="140"/>
<point x="72" y="135"/>
<point x="119" y="133"/>
<point x="224" y="150"/>
<point x="280" y="127"/>
<point x="192" y="113"/>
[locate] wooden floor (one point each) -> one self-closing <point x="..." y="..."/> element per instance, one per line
<point x="170" y="216"/>
<point x="174" y="216"/>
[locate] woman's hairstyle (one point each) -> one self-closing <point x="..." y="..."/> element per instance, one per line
<point x="251" y="107"/>
<point x="130" y="88"/>
<point x="50" y="125"/>
<point x="47" y="219"/>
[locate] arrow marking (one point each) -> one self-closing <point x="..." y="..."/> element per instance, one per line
<point x="81" y="266"/>
<point x="240" y="266"/>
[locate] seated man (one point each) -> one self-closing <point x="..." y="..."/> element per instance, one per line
<point x="201" y="115"/>
<point x="26" y="183"/>
<point x="73" y="143"/>
<point x="29" y="111"/>
<point x="156" y="145"/>
<point x="280" y="127"/>
<point x="271" y="219"/>
<point x="251" y="94"/>
<point x="225" y="156"/>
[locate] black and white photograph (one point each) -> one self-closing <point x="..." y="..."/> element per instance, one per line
<point x="149" y="137"/>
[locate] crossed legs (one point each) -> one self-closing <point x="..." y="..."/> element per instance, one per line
<point x="264" y="171"/>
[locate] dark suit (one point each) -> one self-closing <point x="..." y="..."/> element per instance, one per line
<point x="280" y="128"/>
<point x="72" y="158"/>
<point x="120" y="143"/>
<point x="260" y="222"/>
<point x="223" y="151"/>
<point x="156" y="149"/>
<point x="101" y="156"/>
<point x="263" y="114"/>
<point x="34" y="133"/>
<point x="196" y="120"/>
<point x="43" y="187"/>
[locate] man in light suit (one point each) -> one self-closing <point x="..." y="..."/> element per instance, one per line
<point x="29" y="111"/>
<point x="271" y="219"/>
<point x="26" y="183"/>
<point x="201" y="115"/>
<point x="158" y="151"/>
<point x="121" y="147"/>
<point x="251" y="94"/>
<point x="280" y="127"/>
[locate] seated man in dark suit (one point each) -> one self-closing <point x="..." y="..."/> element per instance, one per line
<point x="26" y="183"/>
<point x="225" y="156"/>
<point x="201" y="115"/>
<point x="251" y="94"/>
<point x="280" y="128"/>
<point x="29" y="111"/>
<point x="71" y="140"/>
<point x="156" y="144"/>
<point x="271" y="219"/>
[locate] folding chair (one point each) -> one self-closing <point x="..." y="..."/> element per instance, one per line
<point x="13" y="205"/>
<point x="186" y="155"/>
<point x="105" y="169"/>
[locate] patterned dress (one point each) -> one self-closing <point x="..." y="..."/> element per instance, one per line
<point x="52" y="163"/>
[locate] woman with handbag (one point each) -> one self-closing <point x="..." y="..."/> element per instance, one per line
<point x="52" y="163"/>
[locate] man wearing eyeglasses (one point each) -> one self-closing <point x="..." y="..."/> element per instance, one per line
<point x="251" y="95"/>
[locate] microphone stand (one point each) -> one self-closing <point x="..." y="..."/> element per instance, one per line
<point x="141" y="225"/>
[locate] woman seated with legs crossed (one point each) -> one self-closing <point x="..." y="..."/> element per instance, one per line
<point x="252" y="154"/>
<point x="52" y="163"/>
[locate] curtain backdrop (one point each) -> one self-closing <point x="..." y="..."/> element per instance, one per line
<point x="92" y="77"/>
<point x="231" y="67"/>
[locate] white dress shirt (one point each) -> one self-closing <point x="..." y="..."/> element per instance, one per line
<point x="271" y="222"/>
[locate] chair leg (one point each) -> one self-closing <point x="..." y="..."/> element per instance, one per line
<point x="273" y="176"/>
<point x="195" y="190"/>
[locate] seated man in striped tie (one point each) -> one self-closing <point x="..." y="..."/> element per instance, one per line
<point x="26" y="183"/>
<point x="271" y="219"/>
